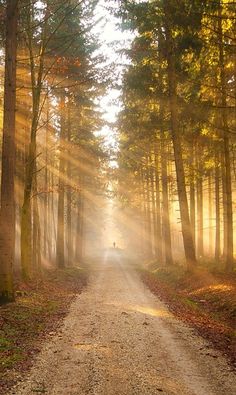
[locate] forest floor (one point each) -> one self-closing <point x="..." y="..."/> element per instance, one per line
<point x="38" y="312"/>
<point x="204" y="299"/>
<point x="120" y="339"/>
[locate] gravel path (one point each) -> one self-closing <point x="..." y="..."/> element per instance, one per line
<point x="120" y="339"/>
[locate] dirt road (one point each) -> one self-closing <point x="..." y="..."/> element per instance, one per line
<point x="120" y="339"/>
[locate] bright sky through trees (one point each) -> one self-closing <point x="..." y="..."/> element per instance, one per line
<point x="112" y="40"/>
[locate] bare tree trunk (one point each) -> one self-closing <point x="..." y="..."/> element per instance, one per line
<point x="46" y="187"/>
<point x="200" y="247"/>
<point x="224" y="205"/>
<point x="69" y="195"/>
<point x="50" y="216"/>
<point x="154" y="211"/>
<point x="157" y="219"/>
<point x="165" y="204"/>
<point x="80" y="227"/>
<point x="149" y="213"/>
<point x="26" y="212"/>
<point x="78" y="224"/>
<point x="36" y="234"/>
<point x="7" y="212"/>
<point x="144" y="211"/>
<point x="192" y="194"/>
<point x="217" y="209"/>
<point x="60" y="248"/>
<point x="226" y="150"/>
<point x="36" y="73"/>
<point x="210" y="214"/>
<point x="166" y="230"/>
<point x="189" y="248"/>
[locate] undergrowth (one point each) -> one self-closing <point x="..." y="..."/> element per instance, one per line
<point x="204" y="297"/>
<point x="38" y="310"/>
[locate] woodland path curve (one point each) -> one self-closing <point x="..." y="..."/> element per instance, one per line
<point x="120" y="339"/>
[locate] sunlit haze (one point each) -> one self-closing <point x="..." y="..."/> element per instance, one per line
<point x="112" y="40"/>
<point x="117" y="197"/>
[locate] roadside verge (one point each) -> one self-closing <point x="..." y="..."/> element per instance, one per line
<point x="38" y="312"/>
<point x="205" y="301"/>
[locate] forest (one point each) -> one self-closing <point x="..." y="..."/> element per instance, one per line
<point x="177" y="129"/>
<point x="51" y="158"/>
<point x="154" y="183"/>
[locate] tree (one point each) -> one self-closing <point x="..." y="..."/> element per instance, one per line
<point x="59" y="62"/>
<point x="7" y="212"/>
<point x="180" y="83"/>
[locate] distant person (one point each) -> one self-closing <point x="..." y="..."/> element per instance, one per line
<point x="114" y="244"/>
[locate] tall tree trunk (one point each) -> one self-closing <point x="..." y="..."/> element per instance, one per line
<point x="200" y="248"/>
<point x="144" y="212"/>
<point x="224" y="205"/>
<point x="193" y="210"/>
<point x="69" y="195"/>
<point x="36" y="73"/>
<point x="200" y="217"/>
<point x="167" y="243"/>
<point x="157" y="218"/>
<point x="60" y="247"/>
<point x="26" y="212"/>
<point x="149" y="213"/>
<point x="7" y="212"/>
<point x="189" y="248"/>
<point x="154" y="210"/>
<point x="217" y="209"/>
<point x="166" y="230"/>
<point x="226" y="150"/>
<point x="50" y="216"/>
<point x="36" y="234"/>
<point x="80" y="226"/>
<point x="69" y="227"/>
<point x="192" y="193"/>
<point x="46" y="187"/>
<point x="210" y="213"/>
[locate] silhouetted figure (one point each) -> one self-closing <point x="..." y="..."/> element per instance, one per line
<point x="114" y="244"/>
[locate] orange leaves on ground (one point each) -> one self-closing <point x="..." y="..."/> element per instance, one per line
<point x="205" y="301"/>
<point x="38" y="310"/>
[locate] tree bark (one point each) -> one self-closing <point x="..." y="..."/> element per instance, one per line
<point x="60" y="247"/>
<point x="26" y="212"/>
<point x="144" y="211"/>
<point x="80" y="225"/>
<point x="7" y="212"/>
<point x="36" y="234"/>
<point x="192" y="194"/>
<point x="217" y="209"/>
<point x="36" y="74"/>
<point x="69" y="195"/>
<point x="157" y="205"/>
<point x="226" y="150"/>
<point x="210" y="214"/>
<point x="189" y="248"/>
<point x="166" y="232"/>
<point x="200" y="248"/>
<point x="46" y="187"/>
<point x="149" y="212"/>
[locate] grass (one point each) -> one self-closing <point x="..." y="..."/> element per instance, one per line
<point x="38" y="310"/>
